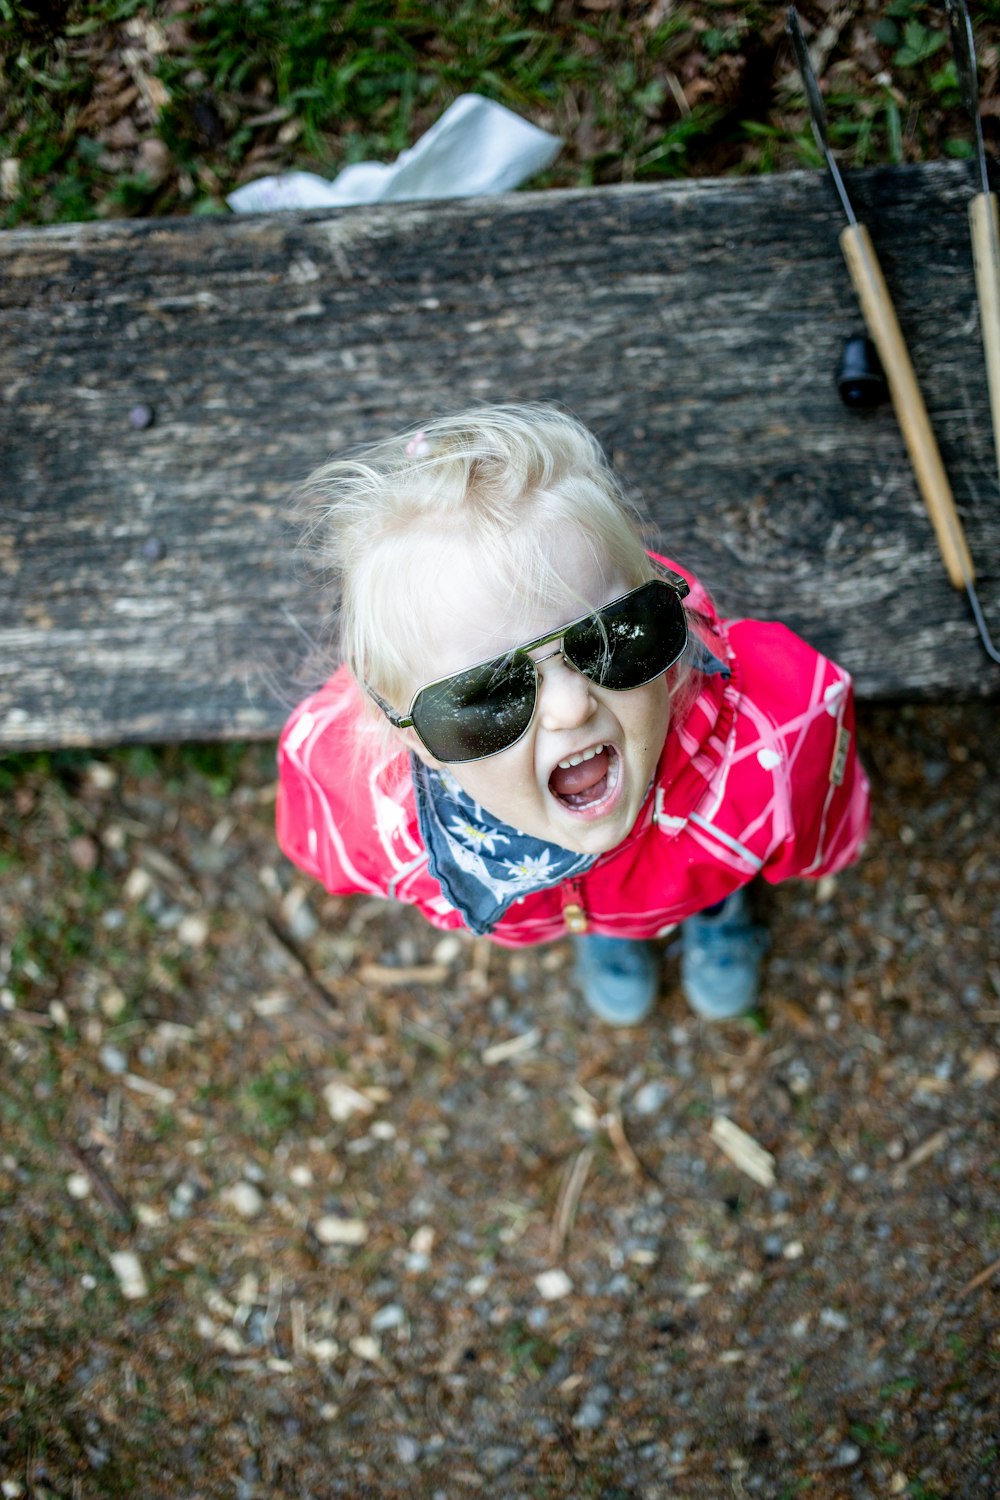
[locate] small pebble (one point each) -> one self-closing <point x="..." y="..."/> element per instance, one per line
<point x="495" y="1460"/>
<point x="138" y="884"/>
<point x="324" y="1350"/>
<point x="244" y="1199"/>
<point x="192" y="930"/>
<point x="113" y="1058"/>
<point x="651" y="1097"/>
<point x="78" y="1185"/>
<point x="553" y="1284"/>
<point x="84" y="853"/>
<point x="141" y="416"/>
<point x="422" y="1240"/>
<point x="390" y="1316"/>
<point x="407" y="1449"/>
<point x="846" y="1455"/>
<point x="590" y="1415"/>
<point x="343" y="1101"/>
<point x="366" y="1348"/>
<point x="448" y="949"/>
<point x="330" y="1229"/>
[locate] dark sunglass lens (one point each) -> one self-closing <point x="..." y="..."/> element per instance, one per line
<point x="632" y="640"/>
<point x="476" y="713"/>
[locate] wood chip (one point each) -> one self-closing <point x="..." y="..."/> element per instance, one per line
<point x="513" y="1047"/>
<point x="384" y="976"/>
<point x="146" y="1086"/>
<point x="743" y="1151"/>
<point x="130" y="1275"/>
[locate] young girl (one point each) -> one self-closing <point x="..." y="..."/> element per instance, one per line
<point x="539" y="728"/>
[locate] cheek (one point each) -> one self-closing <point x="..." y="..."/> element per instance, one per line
<point x="499" y="783"/>
<point x="650" y="717"/>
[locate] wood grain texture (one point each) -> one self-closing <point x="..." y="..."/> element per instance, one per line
<point x="148" y="584"/>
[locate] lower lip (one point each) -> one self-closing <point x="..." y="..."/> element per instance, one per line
<point x="605" y="804"/>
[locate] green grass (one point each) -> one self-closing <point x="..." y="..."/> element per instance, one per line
<point x="277" y="1101"/>
<point x="265" y="85"/>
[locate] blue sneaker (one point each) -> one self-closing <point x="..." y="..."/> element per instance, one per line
<point x="720" y="960"/>
<point x="619" y="977"/>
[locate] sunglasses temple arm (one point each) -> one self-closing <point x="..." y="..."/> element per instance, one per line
<point x="680" y="585"/>
<point x="398" y="721"/>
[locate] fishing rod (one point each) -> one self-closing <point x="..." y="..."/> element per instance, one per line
<point x="886" y="334"/>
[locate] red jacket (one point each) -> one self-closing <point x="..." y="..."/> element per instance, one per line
<point x="760" y="777"/>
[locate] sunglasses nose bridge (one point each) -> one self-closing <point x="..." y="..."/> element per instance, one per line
<point x="564" y="698"/>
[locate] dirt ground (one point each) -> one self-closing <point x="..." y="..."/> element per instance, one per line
<point x="300" y="1198"/>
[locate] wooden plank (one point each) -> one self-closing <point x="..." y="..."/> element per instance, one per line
<point x="149" y="590"/>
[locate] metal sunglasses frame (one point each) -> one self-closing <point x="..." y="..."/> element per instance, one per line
<point x="673" y="581"/>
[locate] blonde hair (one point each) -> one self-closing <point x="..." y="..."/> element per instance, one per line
<point x="497" y="480"/>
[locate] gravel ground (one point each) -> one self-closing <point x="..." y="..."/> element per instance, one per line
<point x="299" y="1197"/>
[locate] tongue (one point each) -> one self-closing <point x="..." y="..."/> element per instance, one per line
<point x="570" y="781"/>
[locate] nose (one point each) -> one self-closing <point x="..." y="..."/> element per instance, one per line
<point x="565" y="700"/>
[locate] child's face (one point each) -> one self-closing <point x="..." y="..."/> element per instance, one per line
<point x="588" y="808"/>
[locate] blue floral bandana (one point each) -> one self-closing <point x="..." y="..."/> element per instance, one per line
<point x="482" y="866"/>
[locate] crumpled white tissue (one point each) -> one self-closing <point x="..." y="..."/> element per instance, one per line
<point x="476" y="147"/>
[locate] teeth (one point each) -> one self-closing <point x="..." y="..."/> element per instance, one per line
<point x="577" y="760"/>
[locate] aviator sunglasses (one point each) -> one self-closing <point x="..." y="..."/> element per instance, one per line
<point x="488" y="707"/>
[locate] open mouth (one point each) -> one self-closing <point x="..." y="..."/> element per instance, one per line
<point x="584" y="781"/>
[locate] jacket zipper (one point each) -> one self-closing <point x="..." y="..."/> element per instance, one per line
<point x="573" y="910"/>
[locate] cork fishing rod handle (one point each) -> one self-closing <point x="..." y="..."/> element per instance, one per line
<point x="911" y="413"/>
<point x="985" y="227"/>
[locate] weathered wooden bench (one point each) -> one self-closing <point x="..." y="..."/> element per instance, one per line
<point x="148" y="586"/>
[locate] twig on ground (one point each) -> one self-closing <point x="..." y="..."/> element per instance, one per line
<point x="981" y="1279"/>
<point x="574" y="1177"/>
<point x="929" y="1147"/>
<point x="289" y="946"/>
<point x="103" y="1187"/>
<point x="384" y="976"/>
<point x="616" y="1133"/>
